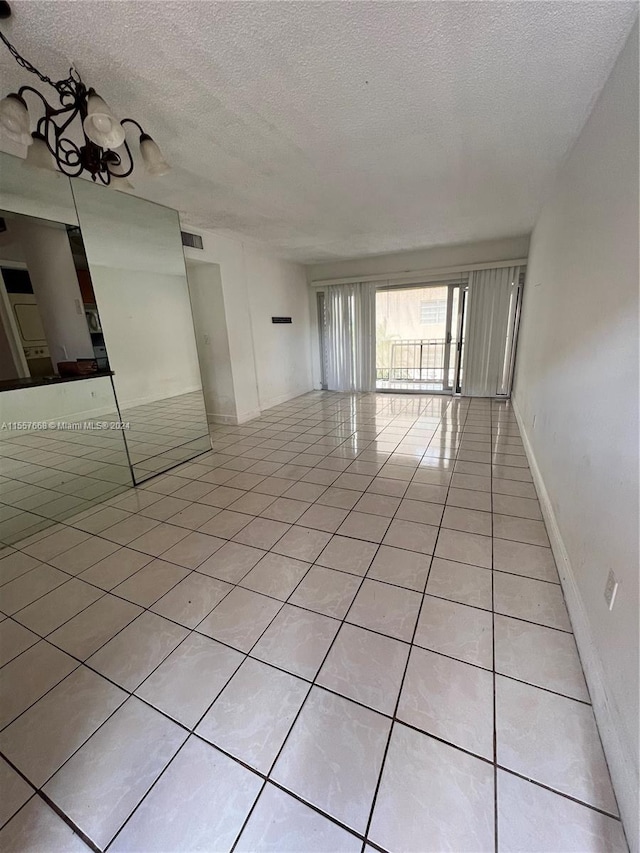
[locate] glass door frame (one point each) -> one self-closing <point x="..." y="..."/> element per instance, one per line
<point x="460" y="326"/>
<point x="511" y="348"/>
<point x="448" y="388"/>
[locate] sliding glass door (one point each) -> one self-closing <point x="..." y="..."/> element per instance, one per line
<point x="417" y="337"/>
<point x="452" y="337"/>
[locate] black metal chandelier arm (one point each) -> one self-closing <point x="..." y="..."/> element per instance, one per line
<point x="122" y="172"/>
<point x="46" y="121"/>
<point x="72" y="109"/>
<point x="73" y="112"/>
<point x="24" y="89"/>
<point x="69" y="98"/>
<point x="69" y="157"/>
<point x="65" y="151"/>
<point x="67" y="154"/>
<point x="132" y="121"/>
<point x="48" y="129"/>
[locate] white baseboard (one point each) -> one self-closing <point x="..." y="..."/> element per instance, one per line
<point x="283" y="398"/>
<point x="215" y="418"/>
<point x="243" y="417"/>
<point x="89" y="414"/>
<point x="154" y="398"/>
<point x="612" y="729"/>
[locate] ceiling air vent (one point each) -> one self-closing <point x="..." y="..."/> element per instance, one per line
<point x="194" y="241"/>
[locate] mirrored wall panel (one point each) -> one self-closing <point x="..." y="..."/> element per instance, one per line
<point x="138" y="274"/>
<point x="61" y="453"/>
<point x="61" y="448"/>
<point x="35" y="192"/>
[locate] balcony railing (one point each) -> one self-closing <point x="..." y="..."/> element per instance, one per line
<point x="418" y="360"/>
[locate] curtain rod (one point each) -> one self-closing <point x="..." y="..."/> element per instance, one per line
<point x="410" y="277"/>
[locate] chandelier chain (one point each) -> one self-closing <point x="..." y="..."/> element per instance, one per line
<point x="24" y="63"/>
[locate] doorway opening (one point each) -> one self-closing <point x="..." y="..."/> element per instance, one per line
<point x="419" y="338"/>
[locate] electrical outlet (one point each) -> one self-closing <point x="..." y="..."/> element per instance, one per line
<point x="611" y="589"/>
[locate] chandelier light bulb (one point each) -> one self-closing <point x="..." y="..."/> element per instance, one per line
<point x="154" y="161"/>
<point x="100" y="125"/>
<point x="14" y="119"/>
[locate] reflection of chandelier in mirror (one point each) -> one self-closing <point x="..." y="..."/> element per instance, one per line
<point x="99" y="146"/>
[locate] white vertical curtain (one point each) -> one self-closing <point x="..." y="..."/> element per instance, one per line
<point x="350" y="312"/>
<point x="486" y="330"/>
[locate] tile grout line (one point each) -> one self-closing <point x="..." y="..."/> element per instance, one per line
<point x="190" y="570"/>
<point x="406" y="666"/>
<point x="352" y="460"/>
<point x="493" y="656"/>
<point x="179" y="463"/>
<point x="292" y="793"/>
<point x="84" y="661"/>
<point x="312" y="684"/>
<point x="299" y="712"/>
<point x="343" y="621"/>
<point x="146" y="608"/>
<point x="311" y="565"/>
<point x="208" y="708"/>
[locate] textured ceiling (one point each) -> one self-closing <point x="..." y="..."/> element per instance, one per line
<point x="339" y="129"/>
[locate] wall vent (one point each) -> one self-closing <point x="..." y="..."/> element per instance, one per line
<point x="194" y="241"/>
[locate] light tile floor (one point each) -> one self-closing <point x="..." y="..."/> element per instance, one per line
<point x="340" y="630"/>
<point x="164" y="432"/>
<point x="48" y="475"/>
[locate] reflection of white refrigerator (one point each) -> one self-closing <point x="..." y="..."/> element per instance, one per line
<point x="32" y="337"/>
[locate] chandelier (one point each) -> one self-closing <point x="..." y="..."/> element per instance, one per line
<point x="77" y="135"/>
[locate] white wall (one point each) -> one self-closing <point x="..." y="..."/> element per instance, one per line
<point x="148" y="331"/>
<point x="576" y="392"/>
<point x="436" y="257"/>
<point x="228" y="254"/>
<point x="62" y="401"/>
<point x="279" y="289"/>
<point x="267" y="365"/>
<point x="212" y="340"/>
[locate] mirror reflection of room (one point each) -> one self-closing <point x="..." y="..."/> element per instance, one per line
<point x="55" y="462"/>
<point x="134" y="250"/>
<point x="50" y="325"/>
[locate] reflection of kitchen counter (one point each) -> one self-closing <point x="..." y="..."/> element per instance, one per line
<point x="33" y="382"/>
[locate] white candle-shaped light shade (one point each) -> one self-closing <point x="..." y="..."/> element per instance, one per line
<point x="154" y="161"/>
<point x="100" y="125"/>
<point x="14" y="119"/>
<point x="38" y="154"/>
